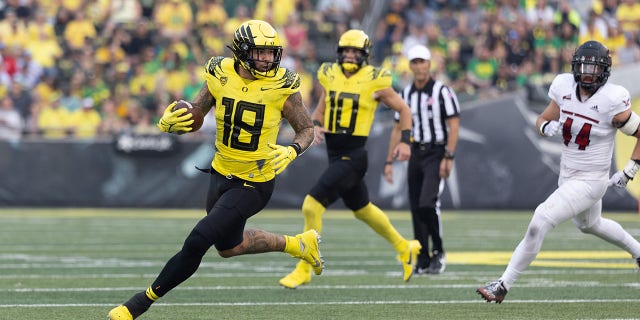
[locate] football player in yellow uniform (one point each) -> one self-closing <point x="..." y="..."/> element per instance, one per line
<point x="250" y="94"/>
<point x="343" y="117"/>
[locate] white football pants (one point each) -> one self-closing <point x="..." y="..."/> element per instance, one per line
<point x="579" y="200"/>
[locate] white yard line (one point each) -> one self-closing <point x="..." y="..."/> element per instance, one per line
<point x="555" y="284"/>
<point x="369" y="302"/>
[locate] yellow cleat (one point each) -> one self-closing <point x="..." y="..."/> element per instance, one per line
<point x="309" y="241"/>
<point x="120" y="313"/>
<point x="299" y="276"/>
<point x="408" y="258"/>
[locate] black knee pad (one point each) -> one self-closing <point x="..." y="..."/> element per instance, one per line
<point x="196" y="243"/>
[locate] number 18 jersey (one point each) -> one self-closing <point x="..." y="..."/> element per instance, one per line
<point x="248" y="115"/>
<point x="587" y="132"/>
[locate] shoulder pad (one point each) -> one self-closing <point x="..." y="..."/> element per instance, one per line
<point x="214" y="66"/>
<point x="374" y="73"/>
<point x="325" y="68"/>
<point x="290" y="80"/>
<point x="562" y="83"/>
<point x="617" y="93"/>
<point x="379" y="72"/>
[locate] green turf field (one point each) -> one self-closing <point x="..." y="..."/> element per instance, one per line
<point x="78" y="264"/>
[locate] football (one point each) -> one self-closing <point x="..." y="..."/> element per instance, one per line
<point x="196" y="114"/>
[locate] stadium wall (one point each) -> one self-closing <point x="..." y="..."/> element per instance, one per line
<point x="501" y="163"/>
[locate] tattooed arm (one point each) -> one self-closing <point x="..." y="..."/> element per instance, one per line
<point x="298" y="116"/>
<point x="204" y="100"/>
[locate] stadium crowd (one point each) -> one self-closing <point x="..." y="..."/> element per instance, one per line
<point x="91" y="68"/>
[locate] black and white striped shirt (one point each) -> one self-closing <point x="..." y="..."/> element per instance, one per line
<point x="430" y="107"/>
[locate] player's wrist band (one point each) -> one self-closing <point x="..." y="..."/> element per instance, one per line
<point x="296" y="147"/>
<point x="317" y="123"/>
<point x="542" y="126"/>
<point x="405" y="136"/>
<point x="388" y="163"/>
<point x="631" y="169"/>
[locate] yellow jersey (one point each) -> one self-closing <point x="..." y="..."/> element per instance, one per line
<point x="350" y="105"/>
<point x="85" y="122"/>
<point x="248" y="115"/>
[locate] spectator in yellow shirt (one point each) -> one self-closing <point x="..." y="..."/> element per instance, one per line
<point x="276" y="12"/>
<point x="53" y="120"/>
<point x="38" y="26"/>
<point x="398" y="64"/>
<point x="142" y="79"/>
<point x="78" y="30"/>
<point x="13" y="31"/>
<point x="85" y="121"/>
<point x="628" y="15"/>
<point x="211" y="12"/>
<point x="176" y="76"/>
<point x="241" y="14"/>
<point x="45" y="51"/>
<point x="72" y="5"/>
<point x="174" y="18"/>
<point x="213" y="39"/>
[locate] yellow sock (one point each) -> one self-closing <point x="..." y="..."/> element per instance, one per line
<point x="151" y="295"/>
<point x="292" y="245"/>
<point x="379" y="222"/>
<point x="312" y="211"/>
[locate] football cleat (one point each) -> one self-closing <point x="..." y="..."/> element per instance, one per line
<point x="408" y="258"/>
<point x="120" y="313"/>
<point x="493" y="291"/>
<point x="299" y="276"/>
<point x="418" y="271"/>
<point x="437" y="264"/>
<point x="309" y="241"/>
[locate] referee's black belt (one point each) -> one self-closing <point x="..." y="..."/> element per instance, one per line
<point x="427" y="145"/>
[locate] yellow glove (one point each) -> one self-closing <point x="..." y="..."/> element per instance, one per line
<point x="174" y="121"/>
<point x="282" y="156"/>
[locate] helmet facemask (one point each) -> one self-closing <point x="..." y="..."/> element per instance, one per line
<point x="350" y="66"/>
<point x="591" y="65"/>
<point x="250" y="56"/>
<point x="255" y="39"/>
<point x="354" y="39"/>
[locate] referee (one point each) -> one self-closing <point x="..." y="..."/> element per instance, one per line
<point x="435" y="111"/>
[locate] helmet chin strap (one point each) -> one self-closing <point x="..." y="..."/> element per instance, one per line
<point x="588" y="87"/>
<point x="588" y="90"/>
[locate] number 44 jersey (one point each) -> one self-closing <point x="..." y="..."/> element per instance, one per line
<point x="587" y="131"/>
<point x="248" y="115"/>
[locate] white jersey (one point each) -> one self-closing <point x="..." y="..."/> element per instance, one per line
<point x="588" y="133"/>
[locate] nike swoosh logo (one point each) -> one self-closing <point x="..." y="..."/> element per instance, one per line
<point x="248" y="185"/>
<point x="316" y="261"/>
<point x="264" y="89"/>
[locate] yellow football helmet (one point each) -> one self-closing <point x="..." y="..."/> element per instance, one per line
<point x="256" y="34"/>
<point x="356" y="39"/>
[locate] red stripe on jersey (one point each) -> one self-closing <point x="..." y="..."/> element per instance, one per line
<point x="580" y="115"/>
<point x="585" y="117"/>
